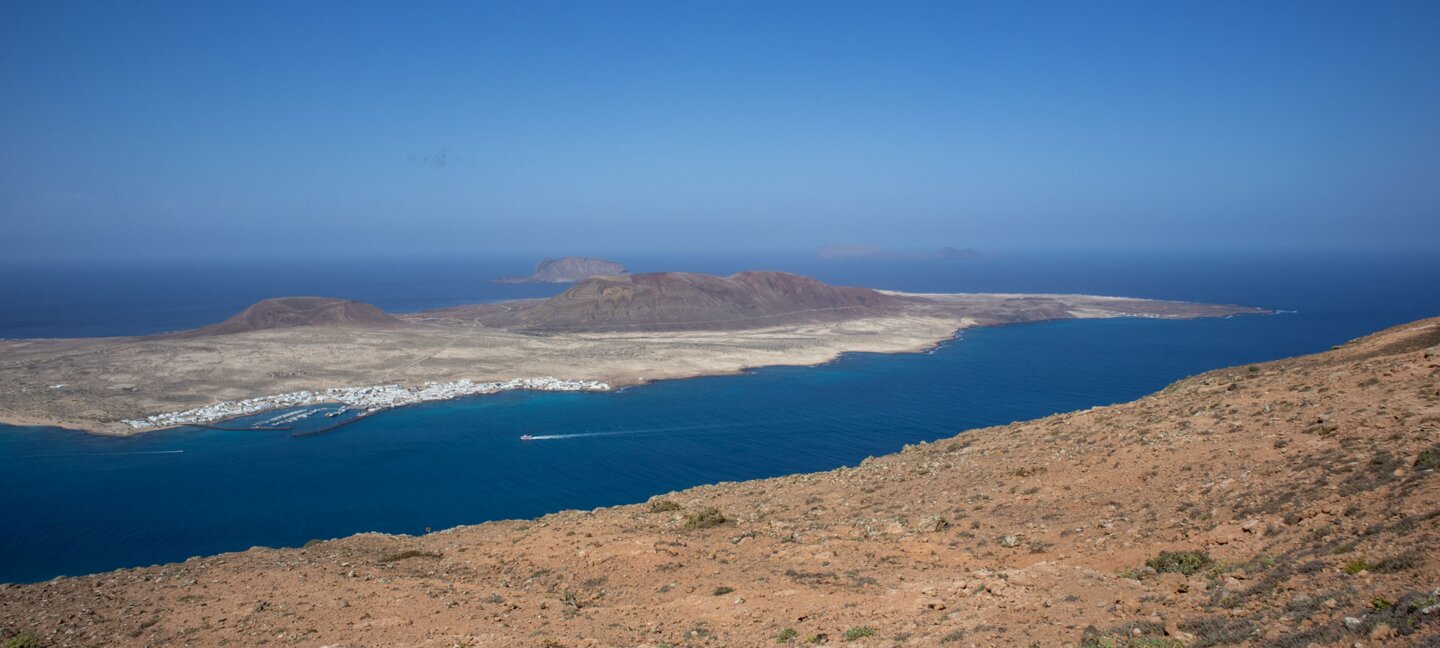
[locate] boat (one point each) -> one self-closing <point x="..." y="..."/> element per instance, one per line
<point x="527" y="437"/>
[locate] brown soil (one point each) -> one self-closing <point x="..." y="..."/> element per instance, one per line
<point x="1307" y="489"/>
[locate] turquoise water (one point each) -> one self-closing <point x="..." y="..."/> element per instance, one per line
<point x="76" y="504"/>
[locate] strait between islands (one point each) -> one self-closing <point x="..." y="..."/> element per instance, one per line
<point x="604" y="332"/>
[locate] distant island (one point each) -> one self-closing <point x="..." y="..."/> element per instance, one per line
<point x="604" y="332"/>
<point x="857" y="252"/>
<point x="568" y="269"/>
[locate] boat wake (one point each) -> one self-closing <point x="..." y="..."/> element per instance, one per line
<point x="581" y="435"/>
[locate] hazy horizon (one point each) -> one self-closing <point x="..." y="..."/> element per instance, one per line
<point x="184" y="131"/>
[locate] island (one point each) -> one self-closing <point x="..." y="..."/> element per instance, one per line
<point x="603" y="333"/>
<point x="568" y="269"/>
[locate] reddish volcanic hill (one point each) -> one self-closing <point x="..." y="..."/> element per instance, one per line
<point x="681" y="300"/>
<point x="293" y="312"/>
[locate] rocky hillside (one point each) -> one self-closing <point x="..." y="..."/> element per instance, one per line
<point x="1289" y="504"/>
<point x="292" y="312"/>
<point x="681" y="300"/>
<point x="568" y="270"/>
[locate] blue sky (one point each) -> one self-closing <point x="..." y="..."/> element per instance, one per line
<point x="194" y="129"/>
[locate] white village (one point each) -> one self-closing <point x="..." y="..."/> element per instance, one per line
<point x="365" y="400"/>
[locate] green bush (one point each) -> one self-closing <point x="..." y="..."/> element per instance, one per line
<point x="25" y="640"/>
<point x="1180" y="562"/>
<point x="786" y="635"/>
<point x="859" y="632"/>
<point x="1356" y="566"/>
<point x="663" y="506"/>
<point x="705" y="518"/>
<point x="1429" y="459"/>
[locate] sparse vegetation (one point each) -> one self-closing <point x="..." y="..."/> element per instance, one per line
<point x="24" y="640"/>
<point x="1398" y="563"/>
<point x="722" y="590"/>
<point x="786" y="636"/>
<point x="705" y="518"/>
<point x="664" y="506"/>
<point x="858" y="632"/>
<point x="1180" y="562"/>
<point x="1428" y="459"/>
<point x="1356" y="566"/>
<point x="1123" y="637"/>
<point x="1219" y="630"/>
<point x="406" y="555"/>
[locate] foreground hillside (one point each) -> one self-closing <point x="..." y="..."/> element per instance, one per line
<point x="1291" y="503"/>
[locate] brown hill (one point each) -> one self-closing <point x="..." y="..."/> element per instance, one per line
<point x="684" y="300"/>
<point x="1289" y="504"/>
<point x="292" y="312"/>
<point x="568" y="270"/>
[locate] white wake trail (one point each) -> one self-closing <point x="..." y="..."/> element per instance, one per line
<point x="579" y="435"/>
<point x="106" y="454"/>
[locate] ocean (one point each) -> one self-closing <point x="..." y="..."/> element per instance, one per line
<point x="76" y="503"/>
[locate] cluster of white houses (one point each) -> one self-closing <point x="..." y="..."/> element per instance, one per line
<point x="364" y="399"/>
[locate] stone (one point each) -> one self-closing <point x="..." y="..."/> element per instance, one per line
<point x="932" y="524"/>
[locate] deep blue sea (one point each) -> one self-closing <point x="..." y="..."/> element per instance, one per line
<point x="75" y="503"/>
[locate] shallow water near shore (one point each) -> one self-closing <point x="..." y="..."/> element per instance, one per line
<point x="77" y="503"/>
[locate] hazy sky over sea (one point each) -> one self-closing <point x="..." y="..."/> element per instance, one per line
<point x="204" y="128"/>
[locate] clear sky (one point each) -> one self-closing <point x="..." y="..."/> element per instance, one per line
<point x="208" y="128"/>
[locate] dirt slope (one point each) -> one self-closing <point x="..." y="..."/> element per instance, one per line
<point x="1306" y="488"/>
